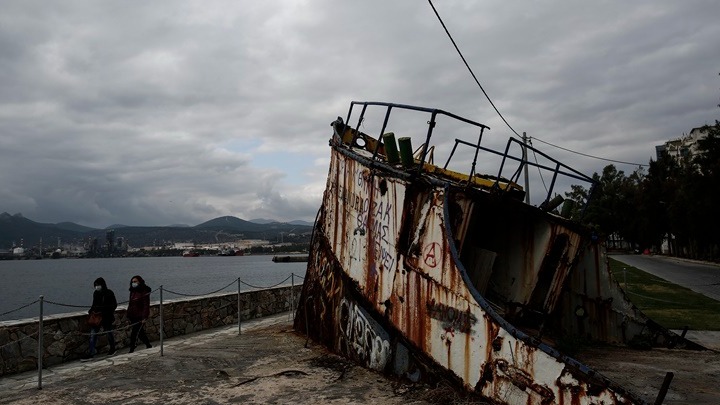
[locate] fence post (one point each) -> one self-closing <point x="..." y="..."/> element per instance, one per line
<point x="239" y="314"/>
<point x="162" y="322"/>
<point x="292" y="296"/>
<point x="625" y="278"/>
<point x="41" y="346"/>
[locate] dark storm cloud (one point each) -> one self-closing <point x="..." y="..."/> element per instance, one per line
<point x="148" y="113"/>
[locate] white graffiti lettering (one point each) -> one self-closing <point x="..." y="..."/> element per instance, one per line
<point x="360" y="335"/>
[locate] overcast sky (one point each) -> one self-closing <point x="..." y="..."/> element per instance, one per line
<point x="168" y="112"/>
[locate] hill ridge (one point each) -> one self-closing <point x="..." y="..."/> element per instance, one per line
<point x="16" y="230"/>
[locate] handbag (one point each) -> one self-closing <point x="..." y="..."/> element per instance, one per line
<point x="95" y="319"/>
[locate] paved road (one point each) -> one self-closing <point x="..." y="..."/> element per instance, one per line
<point x="700" y="277"/>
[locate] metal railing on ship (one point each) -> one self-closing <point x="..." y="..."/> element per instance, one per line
<point x="555" y="168"/>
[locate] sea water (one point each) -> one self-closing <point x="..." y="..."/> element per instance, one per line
<point x="67" y="284"/>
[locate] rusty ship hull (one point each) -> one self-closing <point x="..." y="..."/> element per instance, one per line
<point x="422" y="271"/>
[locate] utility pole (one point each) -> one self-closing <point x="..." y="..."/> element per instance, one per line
<point x="527" y="181"/>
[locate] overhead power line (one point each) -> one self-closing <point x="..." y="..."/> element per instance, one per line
<point x="498" y="111"/>
<point x="590" y="156"/>
<point x="470" y="70"/>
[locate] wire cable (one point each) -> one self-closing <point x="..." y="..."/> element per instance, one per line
<point x="149" y="293"/>
<point x="264" y="288"/>
<point x="498" y="111"/>
<point x="17" y="309"/>
<point x="30" y="336"/>
<point x="590" y="156"/>
<point x="60" y="304"/>
<point x="98" y="331"/>
<point x="471" y="71"/>
<point x="199" y="295"/>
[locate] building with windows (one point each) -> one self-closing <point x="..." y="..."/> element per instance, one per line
<point x="685" y="146"/>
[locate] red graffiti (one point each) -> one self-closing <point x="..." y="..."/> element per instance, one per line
<point x="430" y="255"/>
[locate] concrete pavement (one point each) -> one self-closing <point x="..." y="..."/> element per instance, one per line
<point x="267" y="363"/>
<point x="701" y="277"/>
<point x="72" y="369"/>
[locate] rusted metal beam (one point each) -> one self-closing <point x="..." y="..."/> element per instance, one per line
<point x="664" y="388"/>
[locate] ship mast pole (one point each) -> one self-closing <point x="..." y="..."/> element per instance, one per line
<point x="527" y="181"/>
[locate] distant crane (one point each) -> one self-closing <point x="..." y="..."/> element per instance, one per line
<point x="284" y="233"/>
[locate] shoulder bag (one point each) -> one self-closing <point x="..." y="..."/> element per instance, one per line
<point x="95" y="319"/>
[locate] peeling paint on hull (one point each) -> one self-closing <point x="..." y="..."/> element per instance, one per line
<point x="418" y="274"/>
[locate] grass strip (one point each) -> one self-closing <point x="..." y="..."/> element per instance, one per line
<point x="668" y="304"/>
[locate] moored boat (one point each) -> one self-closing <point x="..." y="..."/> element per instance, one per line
<point x="191" y="253"/>
<point x="290" y="259"/>
<point x="226" y="251"/>
<point x="420" y="270"/>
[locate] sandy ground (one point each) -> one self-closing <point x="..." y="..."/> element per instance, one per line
<point x="266" y="365"/>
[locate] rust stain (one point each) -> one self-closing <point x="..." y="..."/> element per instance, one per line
<point x="385" y="273"/>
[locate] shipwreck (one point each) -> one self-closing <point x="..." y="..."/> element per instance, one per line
<point x="421" y="269"/>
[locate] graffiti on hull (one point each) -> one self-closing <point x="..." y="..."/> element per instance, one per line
<point x="362" y="336"/>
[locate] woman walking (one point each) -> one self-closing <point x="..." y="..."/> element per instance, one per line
<point x="104" y="303"/>
<point x="138" y="311"/>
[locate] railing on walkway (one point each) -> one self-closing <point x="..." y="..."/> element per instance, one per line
<point x="229" y="311"/>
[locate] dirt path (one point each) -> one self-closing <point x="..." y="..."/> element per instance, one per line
<point x="696" y="378"/>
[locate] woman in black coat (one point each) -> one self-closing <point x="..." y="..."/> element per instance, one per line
<point x="138" y="311"/>
<point x="105" y="303"/>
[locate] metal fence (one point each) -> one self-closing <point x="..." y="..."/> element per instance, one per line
<point x="165" y="320"/>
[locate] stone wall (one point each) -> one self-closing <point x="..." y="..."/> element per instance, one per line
<point x="66" y="337"/>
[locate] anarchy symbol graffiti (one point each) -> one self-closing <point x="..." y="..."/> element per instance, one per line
<point x="430" y="255"/>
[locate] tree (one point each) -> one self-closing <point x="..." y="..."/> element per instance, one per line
<point x="676" y="200"/>
<point x="704" y="179"/>
<point x="607" y="207"/>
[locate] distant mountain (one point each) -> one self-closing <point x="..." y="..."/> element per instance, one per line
<point x="301" y="223"/>
<point x="116" y="226"/>
<point x="230" y="223"/>
<point x="272" y="221"/>
<point x="262" y="221"/>
<point x="71" y="226"/>
<point x="16" y="228"/>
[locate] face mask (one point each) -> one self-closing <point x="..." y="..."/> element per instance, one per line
<point x="134" y="285"/>
<point x="98" y="287"/>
